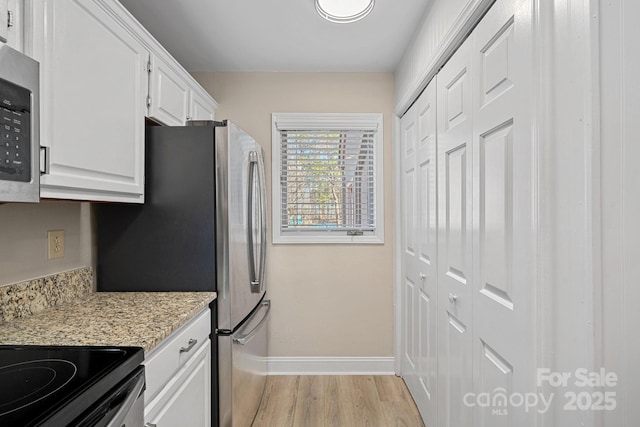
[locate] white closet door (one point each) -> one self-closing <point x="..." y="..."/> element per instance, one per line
<point x="455" y="311"/>
<point x="504" y="251"/>
<point x="420" y="260"/>
<point x="426" y="259"/>
<point x="410" y="283"/>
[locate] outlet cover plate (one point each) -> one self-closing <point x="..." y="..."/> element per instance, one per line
<point x="55" y="244"/>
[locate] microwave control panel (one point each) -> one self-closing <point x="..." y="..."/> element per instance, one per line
<point x="15" y="125"/>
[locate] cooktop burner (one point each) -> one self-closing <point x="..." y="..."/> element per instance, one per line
<point x="54" y="385"/>
<point x="33" y="381"/>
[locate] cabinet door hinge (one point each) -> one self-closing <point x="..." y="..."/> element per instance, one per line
<point x="148" y="101"/>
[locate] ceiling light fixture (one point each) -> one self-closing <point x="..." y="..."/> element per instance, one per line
<point x="344" y="11"/>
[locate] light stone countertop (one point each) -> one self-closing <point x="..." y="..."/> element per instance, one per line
<point x="140" y="319"/>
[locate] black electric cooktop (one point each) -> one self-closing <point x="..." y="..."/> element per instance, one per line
<point x="52" y="386"/>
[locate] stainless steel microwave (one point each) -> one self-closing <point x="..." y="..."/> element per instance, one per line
<point x="19" y="127"/>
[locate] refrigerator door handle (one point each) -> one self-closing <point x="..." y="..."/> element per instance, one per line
<point x="263" y="222"/>
<point x="243" y="339"/>
<point x="253" y="278"/>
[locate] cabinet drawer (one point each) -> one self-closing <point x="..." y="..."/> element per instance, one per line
<point x="186" y="399"/>
<point x="170" y="355"/>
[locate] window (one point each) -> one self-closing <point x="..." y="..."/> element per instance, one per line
<point x="329" y="171"/>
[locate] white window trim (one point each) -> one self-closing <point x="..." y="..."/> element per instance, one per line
<point x="326" y="121"/>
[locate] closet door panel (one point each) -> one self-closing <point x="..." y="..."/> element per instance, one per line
<point x="426" y="395"/>
<point x="410" y="325"/>
<point x="504" y="250"/>
<point x="419" y="242"/>
<point x="455" y="153"/>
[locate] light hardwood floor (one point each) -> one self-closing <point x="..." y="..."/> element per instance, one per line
<point x="340" y="401"/>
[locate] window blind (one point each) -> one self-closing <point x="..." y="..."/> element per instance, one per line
<point x="328" y="180"/>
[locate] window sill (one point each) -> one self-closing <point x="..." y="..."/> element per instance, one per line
<point x="327" y="240"/>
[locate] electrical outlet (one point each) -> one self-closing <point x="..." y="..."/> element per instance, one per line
<point x="55" y="244"/>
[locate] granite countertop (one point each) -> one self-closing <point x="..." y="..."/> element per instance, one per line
<point x="140" y="319"/>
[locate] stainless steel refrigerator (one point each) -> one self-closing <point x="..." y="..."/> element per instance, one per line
<point x="202" y="228"/>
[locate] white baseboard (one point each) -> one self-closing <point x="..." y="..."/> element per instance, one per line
<point x="331" y="365"/>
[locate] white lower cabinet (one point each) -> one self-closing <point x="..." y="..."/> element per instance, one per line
<point x="186" y="399"/>
<point x="178" y="376"/>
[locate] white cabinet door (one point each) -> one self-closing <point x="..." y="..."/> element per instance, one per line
<point x="11" y="18"/>
<point x="455" y="323"/>
<point x="186" y="400"/>
<point x="172" y="100"/>
<point x="93" y="90"/>
<point x="169" y="94"/>
<point x="11" y="23"/>
<point x="4" y="27"/>
<point x="201" y="108"/>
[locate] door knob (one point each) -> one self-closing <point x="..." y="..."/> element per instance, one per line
<point x="422" y="276"/>
<point x="453" y="298"/>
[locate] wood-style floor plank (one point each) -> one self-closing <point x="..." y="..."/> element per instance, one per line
<point x="401" y="414"/>
<point x="337" y="401"/>
<point x="367" y="402"/>
<point x="309" y="410"/>
<point x="278" y="402"/>
<point x="389" y="388"/>
<point x="397" y="405"/>
<point x="338" y="411"/>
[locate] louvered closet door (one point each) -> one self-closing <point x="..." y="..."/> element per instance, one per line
<point x="421" y="260"/>
<point x="455" y="153"/>
<point x="504" y="255"/>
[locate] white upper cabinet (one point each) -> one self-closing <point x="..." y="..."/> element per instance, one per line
<point x="93" y="91"/>
<point x="4" y="27"/>
<point x="168" y="99"/>
<point x="174" y="96"/>
<point x="101" y="73"/>
<point x="201" y="105"/>
<point x="11" y="28"/>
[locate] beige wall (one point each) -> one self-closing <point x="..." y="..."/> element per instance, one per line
<point x="23" y="241"/>
<point x="328" y="300"/>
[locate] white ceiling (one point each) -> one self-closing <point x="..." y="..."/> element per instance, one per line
<point x="278" y="35"/>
